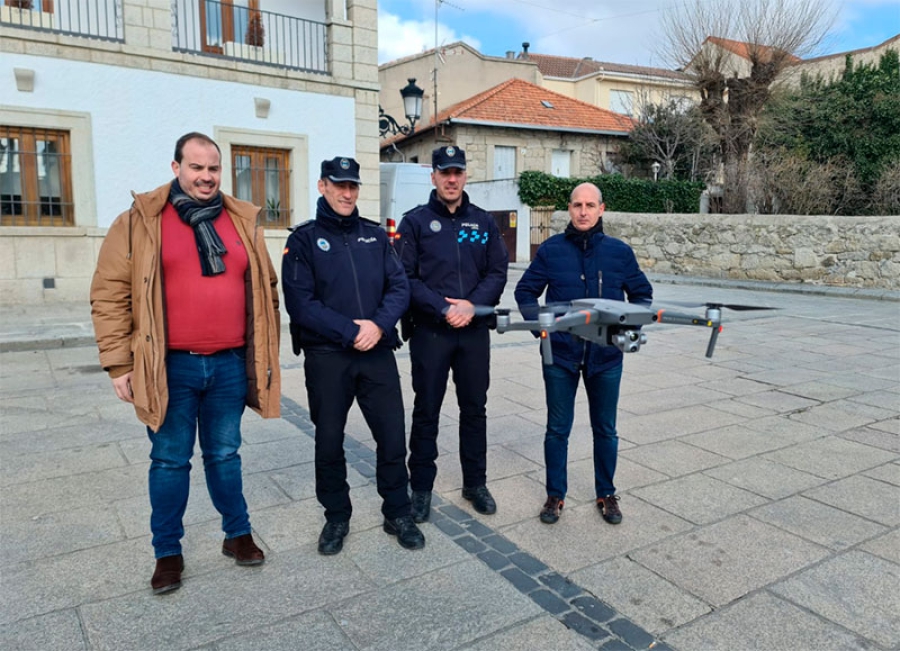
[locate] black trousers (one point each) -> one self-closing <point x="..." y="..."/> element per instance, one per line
<point x="333" y="379"/>
<point x="434" y="352"/>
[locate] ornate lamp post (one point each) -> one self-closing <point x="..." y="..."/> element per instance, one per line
<point x="655" y="167"/>
<point x="412" y="106"/>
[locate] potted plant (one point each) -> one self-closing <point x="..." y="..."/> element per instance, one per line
<point x="273" y="210"/>
<point x="256" y="34"/>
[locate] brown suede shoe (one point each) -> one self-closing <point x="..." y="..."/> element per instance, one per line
<point x="243" y="550"/>
<point x="167" y="577"/>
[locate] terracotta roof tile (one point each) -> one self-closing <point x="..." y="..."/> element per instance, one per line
<point x="516" y="102"/>
<point x="573" y="68"/>
<point x="742" y="49"/>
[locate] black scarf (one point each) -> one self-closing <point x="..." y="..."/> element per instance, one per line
<point x="583" y="237"/>
<point x="200" y="216"/>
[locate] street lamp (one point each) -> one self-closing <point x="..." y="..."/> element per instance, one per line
<point x="655" y="167"/>
<point x="412" y="106"/>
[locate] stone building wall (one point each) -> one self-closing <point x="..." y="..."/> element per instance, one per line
<point x="860" y="252"/>
<point x="534" y="149"/>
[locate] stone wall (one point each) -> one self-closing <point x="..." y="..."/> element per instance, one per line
<point x="40" y="265"/>
<point x="589" y="153"/>
<point x="861" y="252"/>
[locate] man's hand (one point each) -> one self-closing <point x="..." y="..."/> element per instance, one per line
<point x="122" y="385"/>
<point x="369" y="335"/>
<point x="460" y="313"/>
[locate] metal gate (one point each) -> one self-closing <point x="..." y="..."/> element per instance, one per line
<point x="540" y="226"/>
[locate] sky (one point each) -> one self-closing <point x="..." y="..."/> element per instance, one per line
<point x="605" y="30"/>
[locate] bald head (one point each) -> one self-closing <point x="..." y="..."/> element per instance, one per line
<point x="587" y="186"/>
<point x="585" y="206"/>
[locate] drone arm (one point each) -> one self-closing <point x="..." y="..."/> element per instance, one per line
<point x="546" y="348"/>
<point x="712" y="340"/>
<point x="676" y="318"/>
<point x="581" y="317"/>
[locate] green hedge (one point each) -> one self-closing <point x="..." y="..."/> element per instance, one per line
<point x="619" y="194"/>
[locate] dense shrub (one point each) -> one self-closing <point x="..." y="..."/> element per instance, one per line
<point x="619" y="194"/>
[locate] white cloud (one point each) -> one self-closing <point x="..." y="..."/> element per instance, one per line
<point x="399" y="38"/>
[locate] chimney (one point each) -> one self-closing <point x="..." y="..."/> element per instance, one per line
<point x="510" y="54"/>
<point x="525" y="47"/>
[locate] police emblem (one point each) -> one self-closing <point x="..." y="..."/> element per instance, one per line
<point x="345" y="164"/>
<point x="323" y="244"/>
<point x="435" y="225"/>
<point x="451" y="152"/>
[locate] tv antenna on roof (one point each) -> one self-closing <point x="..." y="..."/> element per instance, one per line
<point x="437" y="5"/>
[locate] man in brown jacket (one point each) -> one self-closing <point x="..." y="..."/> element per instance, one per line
<point x="189" y="353"/>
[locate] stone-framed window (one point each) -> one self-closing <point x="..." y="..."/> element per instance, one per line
<point x="253" y="153"/>
<point x="35" y="177"/>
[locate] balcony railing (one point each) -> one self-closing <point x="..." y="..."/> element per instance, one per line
<point x="226" y="30"/>
<point x="100" y="19"/>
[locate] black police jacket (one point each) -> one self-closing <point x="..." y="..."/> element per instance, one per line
<point x="459" y="255"/>
<point x="337" y="269"/>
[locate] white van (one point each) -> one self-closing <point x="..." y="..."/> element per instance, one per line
<point x="403" y="187"/>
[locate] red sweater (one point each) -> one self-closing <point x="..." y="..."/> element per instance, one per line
<point x="204" y="314"/>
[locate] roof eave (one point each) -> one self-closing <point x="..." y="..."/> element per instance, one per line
<point x="537" y="127"/>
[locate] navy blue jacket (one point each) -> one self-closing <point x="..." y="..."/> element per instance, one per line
<point x="459" y="255"/>
<point x="336" y="270"/>
<point x="572" y="265"/>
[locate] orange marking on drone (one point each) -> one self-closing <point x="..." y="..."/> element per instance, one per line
<point x="587" y="316"/>
<point x="543" y="334"/>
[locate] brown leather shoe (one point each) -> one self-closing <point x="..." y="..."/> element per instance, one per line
<point x="609" y="508"/>
<point x="167" y="576"/>
<point x="243" y="550"/>
<point x="552" y="508"/>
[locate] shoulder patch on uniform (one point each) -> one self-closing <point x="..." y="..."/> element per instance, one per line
<point x="412" y="210"/>
<point x="306" y="224"/>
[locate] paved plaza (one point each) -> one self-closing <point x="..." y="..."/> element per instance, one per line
<point x="760" y="493"/>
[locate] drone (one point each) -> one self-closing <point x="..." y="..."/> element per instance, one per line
<point x="614" y="323"/>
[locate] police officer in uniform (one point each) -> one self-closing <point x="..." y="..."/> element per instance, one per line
<point x="345" y="290"/>
<point x="455" y="259"/>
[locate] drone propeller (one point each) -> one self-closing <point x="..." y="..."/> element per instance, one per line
<point x="715" y="306"/>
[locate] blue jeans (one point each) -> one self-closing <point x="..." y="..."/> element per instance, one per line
<point x="206" y="394"/>
<point x="602" y="389"/>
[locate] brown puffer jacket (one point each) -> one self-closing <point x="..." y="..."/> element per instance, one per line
<point x="128" y="310"/>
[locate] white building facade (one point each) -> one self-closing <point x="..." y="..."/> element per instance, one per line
<point x="91" y="104"/>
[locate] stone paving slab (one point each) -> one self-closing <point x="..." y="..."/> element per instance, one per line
<point x="642" y="524"/>
<point x="736" y="441"/>
<point x="58" y="533"/>
<point x="674" y="458"/>
<point x="317" y="631"/>
<point x="819" y="523"/>
<point x="440" y="613"/>
<point x="727" y="560"/>
<point x="764" y="477"/>
<point x="638" y="593"/>
<point x="222" y="603"/>
<point x="863" y="496"/>
<point x="856" y="590"/>
<point x="763" y="622"/>
<point x="544" y="631"/>
<point x="823" y="471"/>
<point x="698" y="498"/>
<point x="56" y="631"/>
<point x="831" y="457"/>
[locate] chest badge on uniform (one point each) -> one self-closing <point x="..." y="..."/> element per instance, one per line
<point x="323" y="244"/>
<point x="435" y="225"/>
